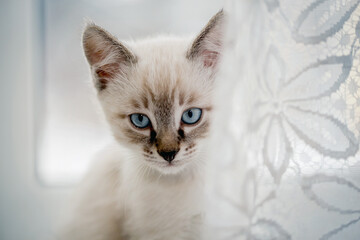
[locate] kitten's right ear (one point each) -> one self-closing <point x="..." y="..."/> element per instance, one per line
<point x="208" y="45"/>
<point x="108" y="58"/>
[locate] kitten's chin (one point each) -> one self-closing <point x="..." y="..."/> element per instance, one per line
<point x="165" y="168"/>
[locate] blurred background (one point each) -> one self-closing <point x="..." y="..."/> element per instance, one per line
<point x="289" y="120"/>
<point x="50" y="124"/>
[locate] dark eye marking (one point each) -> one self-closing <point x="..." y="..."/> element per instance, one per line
<point x="181" y="133"/>
<point x="152" y="136"/>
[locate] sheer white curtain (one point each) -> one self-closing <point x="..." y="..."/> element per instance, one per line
<point x="286" y="143"/>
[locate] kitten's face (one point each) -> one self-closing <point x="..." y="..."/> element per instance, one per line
<point x="156" y="94"/>
<point x="164" y="110"/>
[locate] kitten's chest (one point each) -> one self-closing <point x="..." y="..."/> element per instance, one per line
<point x="159" y="212"/>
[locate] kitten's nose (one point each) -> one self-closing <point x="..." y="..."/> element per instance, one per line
<point x="168" y="156"/>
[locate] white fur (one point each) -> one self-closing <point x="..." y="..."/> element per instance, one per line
<point x="126" y="196"/>
<point x="122" y="200"/>
<point x="123" y="197"/>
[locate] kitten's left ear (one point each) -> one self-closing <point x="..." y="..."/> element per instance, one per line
<point x="209" y="43"/>
<point x="108" y="58"/>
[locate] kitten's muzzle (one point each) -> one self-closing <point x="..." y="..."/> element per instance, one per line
<point x="168" y="156"/>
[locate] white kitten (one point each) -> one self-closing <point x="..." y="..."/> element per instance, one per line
<point x="156" y="95"/>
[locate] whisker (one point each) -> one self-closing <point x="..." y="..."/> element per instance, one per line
<point x="191" y="152"/>
<point x="149" y="156"/>
<point x="190" y="147"/>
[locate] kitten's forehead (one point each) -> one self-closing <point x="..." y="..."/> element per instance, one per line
<point x="164" y="71"/>
<point x="166" y="86"/>
<point x="162" y="62"/>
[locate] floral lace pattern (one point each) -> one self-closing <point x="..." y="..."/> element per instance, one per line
<point x="290" y="168"/>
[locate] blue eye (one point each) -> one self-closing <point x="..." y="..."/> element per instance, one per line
<point x="191" y="116"/>
<point x="139" y="120"/>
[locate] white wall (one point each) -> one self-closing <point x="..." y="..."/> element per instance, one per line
<point x="27" y="210"/>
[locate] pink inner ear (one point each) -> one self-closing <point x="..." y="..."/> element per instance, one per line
<point x="96" y="56"/>
<point x="210" y="58"/>
<point x="105" y="74"/>
<point x="108" y="70"/>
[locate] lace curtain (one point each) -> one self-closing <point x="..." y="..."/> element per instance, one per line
<point x="286" y="143"/>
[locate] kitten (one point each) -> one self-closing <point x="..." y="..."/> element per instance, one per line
<point x="157" y="97"/>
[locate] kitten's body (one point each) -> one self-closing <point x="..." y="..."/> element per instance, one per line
<point x="149" y="185"/>
<point x="119" y="200"/>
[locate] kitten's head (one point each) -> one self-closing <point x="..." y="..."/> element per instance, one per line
<point x="156" y="93"/>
